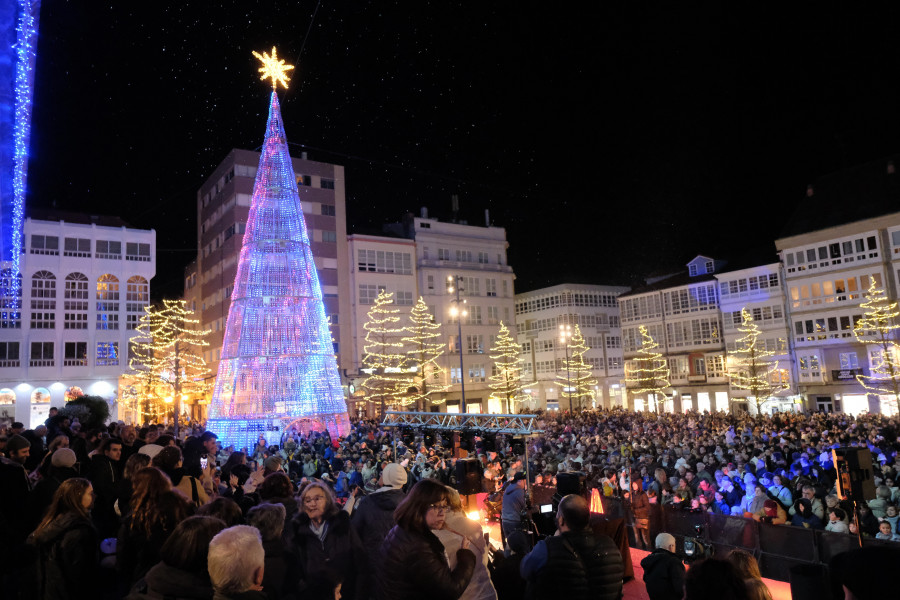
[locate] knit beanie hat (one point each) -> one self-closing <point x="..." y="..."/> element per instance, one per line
<point x="63" y="457"/>
<point x="16" y="443"/>
<point x="394" y="476"/>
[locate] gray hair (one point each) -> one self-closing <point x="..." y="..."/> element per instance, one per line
<point x="235" y="554"/>
<point x="268" y="518"/>
<point x="664" y="540"/>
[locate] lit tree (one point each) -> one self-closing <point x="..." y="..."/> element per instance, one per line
<point x="578" y="381"/>
<point x="144" y="382"/>
<point x="506" y="378"/>
<point x="423" y="353"/>
<point x="384" y="359"/>
<point x="876" y="330"/>
<point x="752" y="367"/>
<point x="648" y="372"/>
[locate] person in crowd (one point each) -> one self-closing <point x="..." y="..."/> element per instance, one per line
<point x="104" y="474"/>
<point x="714" y="579"/>
<point x="748" y="570"/>
<point x="837" y="521"/>
<point x="271" y="465"/>
<point x="373" y="516"/>
<point x="514" y="503"/>
<point x="156" y="509"/>
<point x="457" y="526"/>
<point x="279" y="581"/>
<point x="574" y="563"/>
<point x="664" y="570"/>
<point x="414" y="563"/>
<point x="277" y="488"/>
<point x="237" y="564"/>
<point x="182" y="570"/>
<point x="65" y="545"/>
<point x="125" y="488"/>
<point x="224" y="509"/>
<point x="878" y="505"/>
<point x="886" y="533"/>
<point x="326" y="546"/>
<point x="640" y="507"/>
<point x="169" y="460"/>
<point x="804" y="516"/>
<point x="62" y="467"/>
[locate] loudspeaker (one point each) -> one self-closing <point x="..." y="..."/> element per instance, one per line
<point x="855" y="479"/>
<point x="571" y="483"/>
<point x="468" y="476"/>
<point x="809" y="582"/>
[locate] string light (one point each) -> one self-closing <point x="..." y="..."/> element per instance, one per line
<point x="577" y="385"/>
<point x="277" y="364"/>
<point x="751" y="366"/>
<point x="647" y="372"/>
<point x="876" y="329"/>
<point x="273" y="68"/>
<point x="384" y="359"/>
<point x="506" y="380"/>
<point x="423" y="355"/>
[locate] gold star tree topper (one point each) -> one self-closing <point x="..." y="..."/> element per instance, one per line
<point x="274" y="68"/>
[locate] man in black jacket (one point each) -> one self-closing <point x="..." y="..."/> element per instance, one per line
<point x="573" y="564"/>
<point x="104" y="475"/>
<point x="664" y="570"/>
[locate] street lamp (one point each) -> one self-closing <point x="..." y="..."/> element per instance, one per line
<point x="565" y="334"/>
<point x="458" y="310"/>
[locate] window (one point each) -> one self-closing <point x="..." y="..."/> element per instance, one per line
<point x="107" y="302"/>
<point x="692" y="270"/>
<point x="849" y="360"/>
<point x="699" y="366"/>
<point x="327" y="184"/>
<point x="443" y="254"/>
<point x="490" y="287"/>
<point x="107" y="354"/>
<point x="483" y="258"/>
<point x="368" y="293"/>
<point x="9" y="354"/>
<point x="403" y="298"/>
<point x="10" y="299"/>
<point x="45" y="244"/>
<point x="474" y="316"/>
<point x="329" y="236"/>
<point x="464" y="256"/>
<point x="75" y="354"/>
<point x="710" y="267"/>
<point x="304" y="180"/>
<point x="613" y="341"/>
<point x="41" y="354"/>
<point x="138" y="252"/>
<point x="809" y="366"/>
<point x="614" y="362"/>
<point x="77" y="247"/>
<point x="380" y="261"/>
<point x="455" y="375"/>
<point x="475" y="344"/>
<point x="493" y="315"/>
<point x="477" y="373"/>
<point x="328" y="210"/>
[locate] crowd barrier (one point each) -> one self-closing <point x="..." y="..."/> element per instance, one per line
<point x="778" y="548"/>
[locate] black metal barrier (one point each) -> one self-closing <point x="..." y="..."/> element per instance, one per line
<point x="778" y="548"/>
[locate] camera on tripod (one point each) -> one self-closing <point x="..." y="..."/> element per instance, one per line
<point x="698" y="547"/>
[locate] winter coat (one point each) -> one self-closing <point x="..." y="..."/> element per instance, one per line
<point x="480" y="586"/>
<point x="415" y="566"/>
<point x="373" y="517"/>
<point x="663" y="575"/>
<point x="66" y="558"/>
<point x="341" y="552"/>
<point x="513" y="503"/>
<point x="576" y="565"/>
<point x="42" y="495"/>
<point x="168" y="583"/>
<point x="280" y="577"/>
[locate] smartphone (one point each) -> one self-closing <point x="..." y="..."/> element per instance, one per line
<point x="204" y="462"/>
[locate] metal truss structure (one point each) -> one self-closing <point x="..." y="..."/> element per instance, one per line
<point x="506" y="424"/>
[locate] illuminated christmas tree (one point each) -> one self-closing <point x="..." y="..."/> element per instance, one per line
<point x="576" y="379"/>
<point x="752" y="366"/>
<point x="422" y="355"/>
<point x="277" y="367"/>
<point x="144" y="382"/>
<point x="876" y="330"/>
<point x="647" y="373"/>
<point x="384" y="360"/>
<point x="506" y="376"/>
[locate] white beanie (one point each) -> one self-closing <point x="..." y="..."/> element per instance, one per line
<point x="394" y="476"/>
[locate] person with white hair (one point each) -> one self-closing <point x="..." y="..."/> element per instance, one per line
<point x="236" y="564"/>
<point x="664" y="570"/>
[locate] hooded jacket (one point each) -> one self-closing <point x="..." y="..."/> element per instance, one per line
<point x="513" y="503"/>
<point x="373" y="517"/>
<point x="663" y="575"/>
<point x="65" y="558"/>
<point x="339" y="553"/>
<point x="169" y="583"/>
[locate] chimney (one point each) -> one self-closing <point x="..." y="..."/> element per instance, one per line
<point x="424" y="212"/>
<point x="487" y="217"/>
<point x="303" y="155"/>
<point x="454" y="205"/>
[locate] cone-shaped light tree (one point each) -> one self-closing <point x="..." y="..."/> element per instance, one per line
<point x="384" y="359"/>
<point x="277" y="369"/>
<point x="752" y="366"/>
<point x="506" y="377"/>
<point x="877" y="330"/>
<point x="422" y="354"/>
<point x="576" y="379"/>
<point x="648" y="372"/>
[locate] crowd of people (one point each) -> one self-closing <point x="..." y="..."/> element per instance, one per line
<point x="124" y="511"/>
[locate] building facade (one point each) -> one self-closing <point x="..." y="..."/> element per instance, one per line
<point x="594" y="308"/>
<point x="84" y="284"/>
<point x="681" y="314"/>
<point x="827" y="273"/>
<point x="223" y="204"/>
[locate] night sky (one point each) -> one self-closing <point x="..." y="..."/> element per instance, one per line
<point x="611" y="142"/>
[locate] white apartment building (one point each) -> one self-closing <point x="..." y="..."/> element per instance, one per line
<point x="594" y="309"/>
<point x="759" y="289"/>
<point x="681" y="314"/>
<point x="84" y="283"/>
<point x="827" y="272"/>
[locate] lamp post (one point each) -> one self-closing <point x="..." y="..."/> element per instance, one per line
<point x="458" y="310"/>
<point x="565" y="334"/>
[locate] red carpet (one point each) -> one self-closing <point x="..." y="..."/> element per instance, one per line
<point x="635" y="589"/>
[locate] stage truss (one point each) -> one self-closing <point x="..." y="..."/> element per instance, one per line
<point x="476" y="423"/>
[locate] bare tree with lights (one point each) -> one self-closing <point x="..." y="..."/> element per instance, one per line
<point x="578" y="382"/>
<point x="752" y="367"/>
<point x="648" y="372"/>
<point x="506" y="376"/>
<point x="422" y="355"/>
<point x="876" y="329"/>
<point x="385" y="359"/>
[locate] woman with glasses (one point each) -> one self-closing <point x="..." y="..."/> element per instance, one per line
<point x="328" y="551"/>
<point x="413" y="562"/>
